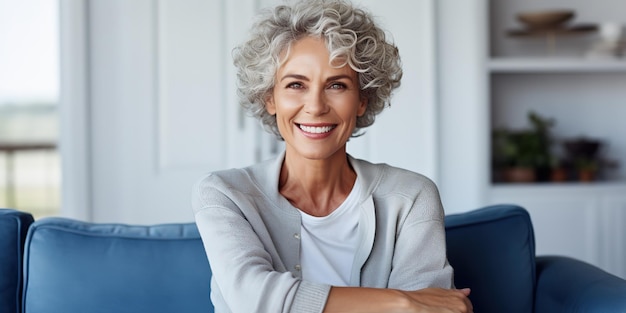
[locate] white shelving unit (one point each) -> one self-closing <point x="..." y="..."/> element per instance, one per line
<point x="488" y="80"/>
<point x="586" y="97"/>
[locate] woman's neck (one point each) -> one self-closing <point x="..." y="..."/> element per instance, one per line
<point x="316" y="187"/>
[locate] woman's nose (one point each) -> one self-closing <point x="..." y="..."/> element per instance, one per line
<point x="315" y="102"/>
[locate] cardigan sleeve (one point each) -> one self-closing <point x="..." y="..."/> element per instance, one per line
<point x="242" y="266"/>
<point x="420" y="259"/>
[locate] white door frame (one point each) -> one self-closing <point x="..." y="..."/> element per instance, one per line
<point x="74" y="110"/>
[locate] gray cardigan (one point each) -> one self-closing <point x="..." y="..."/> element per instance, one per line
<point x="251" y="235"/>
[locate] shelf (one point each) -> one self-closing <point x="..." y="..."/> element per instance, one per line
<point x="555" y="65"/>
<point x="554" y="32"/>
<point x="560" y="187"/>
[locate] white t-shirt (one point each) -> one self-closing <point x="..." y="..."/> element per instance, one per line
<point x="329" y="242"/>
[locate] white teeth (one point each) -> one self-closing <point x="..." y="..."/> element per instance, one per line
<point x="316" y="130"/>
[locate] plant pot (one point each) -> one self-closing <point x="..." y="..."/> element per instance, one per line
<point x="586" y="175"/>
<point x="558" y="175"/>
<point x="520" y="175"/>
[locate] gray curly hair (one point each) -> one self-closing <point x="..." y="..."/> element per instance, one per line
<point x="351" y="36"/>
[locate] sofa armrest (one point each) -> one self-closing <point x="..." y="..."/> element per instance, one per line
<point x="13" y="228"/>
<point x="569" y="285"/>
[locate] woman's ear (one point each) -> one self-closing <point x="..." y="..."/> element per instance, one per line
<point x="362" y="107"/>
<point x="270" y="107"/>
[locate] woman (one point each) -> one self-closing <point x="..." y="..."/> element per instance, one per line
<point x="316" y="230"/>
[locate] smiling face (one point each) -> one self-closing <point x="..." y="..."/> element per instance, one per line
<point x="316" y="104"/>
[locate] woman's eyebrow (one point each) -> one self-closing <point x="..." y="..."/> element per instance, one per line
<point x="338" y="77"/>
<point x="304" y="78"/>
<point x="296" y="76"/>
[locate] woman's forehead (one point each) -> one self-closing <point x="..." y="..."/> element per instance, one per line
<point x="312" y="49"/>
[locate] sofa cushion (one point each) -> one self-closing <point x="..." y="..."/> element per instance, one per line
<point x="565" y="284"/>
<point x="492" y="251"/>
<point x="13" y="228"/>
<point x="73" y="266"/>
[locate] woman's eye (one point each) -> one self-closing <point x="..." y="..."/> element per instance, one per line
<point x="294" y="85"/>
<point x="337" y="86"/>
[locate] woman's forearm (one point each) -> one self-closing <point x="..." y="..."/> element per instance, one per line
<point x="366" y="300"/>
<point x="375" y="300"/>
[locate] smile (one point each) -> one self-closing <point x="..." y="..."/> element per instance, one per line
<point x="316" y="129"/>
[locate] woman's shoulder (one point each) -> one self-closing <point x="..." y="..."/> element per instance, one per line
<point x="387" y="179"/>
<point x="215" y="188"/>
<point x="248" y="191"/>
<point x="233" y="183"/>
<point x="395" y="187"/>
<point x="239" y="179"/>
<point x="223" y="188"/>
<point x="220" y="180"/>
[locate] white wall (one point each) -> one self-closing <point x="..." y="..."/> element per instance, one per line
<point x="405" y="134"/>
<point x="150" y="102"/>
<point x="463" y="123"/>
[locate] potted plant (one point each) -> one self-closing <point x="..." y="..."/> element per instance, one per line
<point x="522" y="155"/>
<point x="583" y="154"/>
<point x="587" y="169"/>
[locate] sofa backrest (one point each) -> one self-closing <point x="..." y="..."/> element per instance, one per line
<point x="73" y="266"/>
<point x="492" y="251"/>
<point x="13" y="228"/>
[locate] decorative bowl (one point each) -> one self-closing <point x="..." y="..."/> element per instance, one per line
<point x="545" y="19"/>
<point x="582" y="148"/>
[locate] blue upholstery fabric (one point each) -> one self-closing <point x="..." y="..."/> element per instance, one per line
<point x="13" y="228"/>
<point x="72" y="266"/>
<point x="569" y="285"/>
<point x="492" y="251"/>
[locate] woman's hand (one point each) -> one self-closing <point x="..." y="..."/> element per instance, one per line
<point x="441" y="300"/>
<point x="365" y="300"/>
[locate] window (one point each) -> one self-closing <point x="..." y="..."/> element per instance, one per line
<point x="30" y="177"/>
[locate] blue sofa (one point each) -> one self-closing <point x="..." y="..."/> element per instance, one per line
<point x="72" y="266"/>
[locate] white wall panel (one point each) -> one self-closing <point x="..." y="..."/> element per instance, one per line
<point x="121" y="66"/>
<point x="463" y="111"/>
<point x="191" y="85"/>
<point x="583" y="221"/>
<point x="160" y="113"/>
<point x="405" y="134"/>
<point x="613" y="233"/>
<point x="563" y="226"/>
